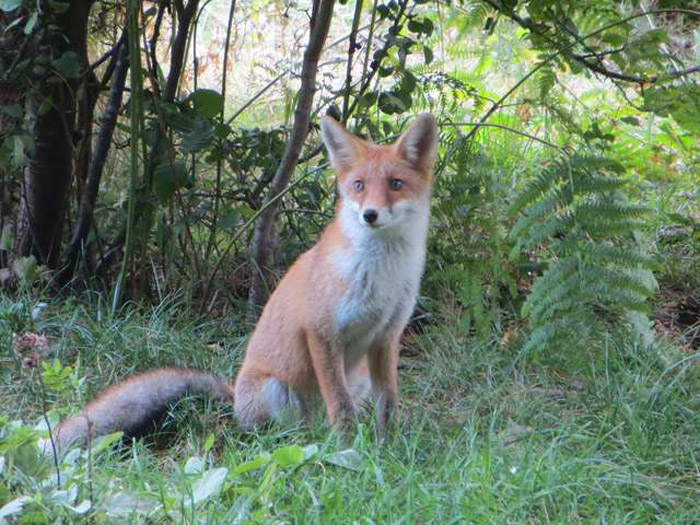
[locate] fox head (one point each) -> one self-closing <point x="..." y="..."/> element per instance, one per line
<point x="382" y="188"/>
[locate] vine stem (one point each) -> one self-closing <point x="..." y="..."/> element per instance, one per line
<point x="351" y="53"/>
<point x="136" y="109"/>
<point x="219" y="162"/>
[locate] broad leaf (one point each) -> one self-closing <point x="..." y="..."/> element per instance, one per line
<point x="199" y="137"/>
<point x="168" y="178"/>
<point x="207" y="102"/>
<point x="349" y="459"/>
<point x="10" y="5"/>
<point x="209" y="484"/>
<point x="289" y="455"/>
<point x="68" y="64"/>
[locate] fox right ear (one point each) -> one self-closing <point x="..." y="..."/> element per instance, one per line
<point x="342" y="146"/>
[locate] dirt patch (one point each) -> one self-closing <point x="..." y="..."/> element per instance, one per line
<point x="677" y="316"/>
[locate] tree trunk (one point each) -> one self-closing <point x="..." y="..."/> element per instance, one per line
<point x="262" y="237"/>
<point x="47" y="174"/>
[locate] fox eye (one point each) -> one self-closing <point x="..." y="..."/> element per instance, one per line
<point x="359" y="186"/>
<point x="396" y="184"/>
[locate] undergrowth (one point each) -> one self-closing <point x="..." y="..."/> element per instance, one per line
<point x="609" y="435"/>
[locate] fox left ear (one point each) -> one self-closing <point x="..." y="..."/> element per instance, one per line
<point x="418" y="144"/>
<point x="343" y="147"/>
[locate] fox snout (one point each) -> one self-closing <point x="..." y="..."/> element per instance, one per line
<point x="370" y="216"/>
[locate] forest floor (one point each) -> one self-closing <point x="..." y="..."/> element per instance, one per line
<point x="486" y="435"/>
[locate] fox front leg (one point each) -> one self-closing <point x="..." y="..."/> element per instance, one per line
<point x="329" y="367"/>
<point x="383" y="368"/>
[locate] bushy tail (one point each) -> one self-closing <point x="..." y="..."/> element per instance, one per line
<point x="133" y="405"/>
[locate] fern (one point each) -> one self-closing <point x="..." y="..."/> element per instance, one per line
<point x="597" y="279"/>
<point x="468" y="256"/>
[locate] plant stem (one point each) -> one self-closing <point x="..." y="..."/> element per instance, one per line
<point x="136" y="115"/>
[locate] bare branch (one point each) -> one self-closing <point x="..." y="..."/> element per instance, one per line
<point x="320" y="24"/>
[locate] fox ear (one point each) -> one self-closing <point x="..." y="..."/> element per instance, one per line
<point x="342" y="146"/>
<point x="418" y="144"/>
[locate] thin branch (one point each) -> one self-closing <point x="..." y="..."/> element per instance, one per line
<point x="136" y="129"/>
<point x="501" y="126"/>
<point x="374" y="66"/>
<point x="99" y="158"/>
<point x="583" y="59"/>
<point x="52" y="439"/>
<point x="352" y="46"/>
<point x="564" y="49"/>
<point x="104" y="58"/>
<point x="246" y="226"/>
<point x="219" y="162"/>
<point x="279" y="77"/>
<point x="320" y="25"/>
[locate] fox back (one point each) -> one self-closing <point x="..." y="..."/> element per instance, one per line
<point x="334" y="322"/>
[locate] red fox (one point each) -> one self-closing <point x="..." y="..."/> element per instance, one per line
<point x="334" y="321"/>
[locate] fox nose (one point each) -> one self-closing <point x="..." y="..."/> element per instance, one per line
<point x="370" y="216"/>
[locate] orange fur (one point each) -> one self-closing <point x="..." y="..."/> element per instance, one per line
<point x="334" y="322"/>
<point x="299" y="340"/>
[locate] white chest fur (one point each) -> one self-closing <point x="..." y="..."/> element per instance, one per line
<point x="383" y="271"/>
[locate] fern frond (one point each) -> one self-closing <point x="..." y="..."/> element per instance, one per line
<point x="574" y="211"/>
<point x="540" y="185"/>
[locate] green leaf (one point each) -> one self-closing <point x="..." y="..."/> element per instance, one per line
<point x="13" y="507"/>
<point x="260" y="460"/>
<point x="229" y="220"/>
<point x="6" y="237"/>
<point x="207" y="102"/>
<point x="209" y="484"/>
<point x="102" y="443"/>
<point x="310" y="451"/>
<point x="194" y="465"/>
<point x="125" y="504"/>
<point x="415" y="26"/>
<point x="168" y="178"/>
<point x="428" y="26"/>
<point x="45" y="106"/>
<point x="29" y="26"/>
<point x="394" y="102"/>
<point x="199" y="137"/>
<point x="614" y="38"/>
<point x="59" y="7"/>
<point x="14" y="111"/>
<point x="68" y="64"/>
<point x="10" y="5"/>
<point x="25" y="268"/>
<point x="349" y="459"/>
<point x="209" y="442"/>
<point x="289" y="455"/>
<point x="681" y="102"/>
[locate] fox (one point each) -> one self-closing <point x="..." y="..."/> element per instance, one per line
<point x="332" y="327"/>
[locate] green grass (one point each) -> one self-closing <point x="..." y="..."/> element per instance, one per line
<point x="610" y="436"/>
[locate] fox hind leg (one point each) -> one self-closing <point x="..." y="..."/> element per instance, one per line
<point x="259" y="400"/>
